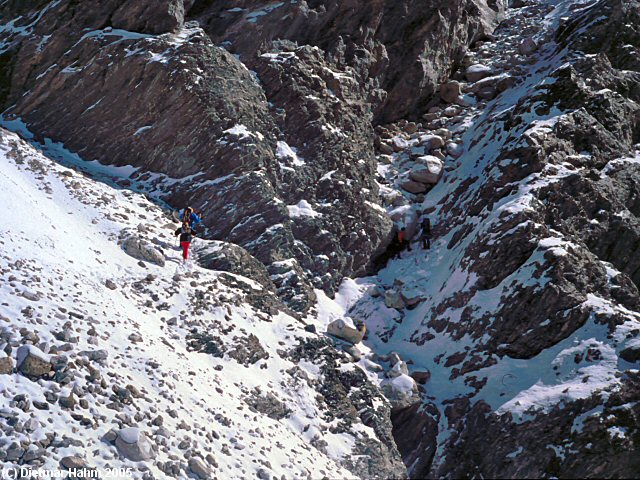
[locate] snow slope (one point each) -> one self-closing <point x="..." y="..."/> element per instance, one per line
<point x="68" y="287"/>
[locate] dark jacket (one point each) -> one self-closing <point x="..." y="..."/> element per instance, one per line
<point x="426" y="227"/>
<point x="186" y="235"/>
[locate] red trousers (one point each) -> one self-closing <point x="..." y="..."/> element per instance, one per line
<point x="185" y="249"/>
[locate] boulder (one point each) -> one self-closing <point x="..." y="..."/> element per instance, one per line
<point x="487" y="93"/>
<point x="398" y="144"/>
<point x="393" y="299"/>
<point x="421" y="377"/>
<point x="200" y="469"/>
<point x="401" y="391"/>
<point x="374" y="291"/>
<point x="452" y="110"/>
<point x="444" y="133"/>
<point x="455" y="149"/>
<point x="411" y="186"/>
<point x="631" y="354"/>
<point x="6" y="365"/>
<point x="385" y="148"/>
<point x="528" y="46"/>
<point x="228" y="257"/>
<point x="428" y="171"/>
<point x="450" y="92"/>
<point x="33" y="362"/>
<point x="498" y="83"/>
<point x="149" y="16"/>
<point x="505" y="82"/>
<point x="478" y="72"/>
<point x="339" y="328"/>
<point x="431" y="141"/>
<point x="134" y="445"/>
<point x="399" y="368"/>
<point x="354" y="352"/>
<point x="98" y="356"/>
<point x="73" y="462"/>
<point x="142" y="249"/>
<point x="393" y="358"/>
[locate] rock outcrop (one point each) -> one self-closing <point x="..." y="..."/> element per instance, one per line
<point x="538" y="225"/>
<point x="251" y="145"/>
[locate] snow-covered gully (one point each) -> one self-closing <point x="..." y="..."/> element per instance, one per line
<point x="430" y="307"/>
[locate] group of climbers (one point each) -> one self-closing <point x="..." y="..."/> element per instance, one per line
<point x="190" y="220"/>
<point x="187" y="232"/>
<point x="404" y="243"/>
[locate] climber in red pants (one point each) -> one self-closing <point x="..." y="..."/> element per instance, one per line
<point x="186" y="235"/>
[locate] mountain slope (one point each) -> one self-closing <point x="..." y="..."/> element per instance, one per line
<point x="509" y="349"/>
<point x="199" y="361"/>
<point x="524" y="312"/>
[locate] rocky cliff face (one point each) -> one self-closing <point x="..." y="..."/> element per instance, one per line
<point x="392" y="47"/>
<point x="535" y="266"/>
<point x="278" y="159"/>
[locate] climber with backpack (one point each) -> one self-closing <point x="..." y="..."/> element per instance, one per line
<point x="402" y="241"/>
<point x="186" y="236"/>
<point x="425" y="236"/>
<point x="189" y="216"/>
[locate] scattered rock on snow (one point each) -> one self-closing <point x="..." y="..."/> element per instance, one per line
<point x="528" y="46"/>
<point x="134" y="445"/>
<point x="339" y="328"/>
<point x="141" y="249"/>
<point x="428" y="170"/>
<point x="247" y="350"/>
<point x="393" y="299"/>
<point x="200" y="469"/>
<point x="6" y="365"/>
<point x="33" y="362"/>
<point x="477" y="72"/>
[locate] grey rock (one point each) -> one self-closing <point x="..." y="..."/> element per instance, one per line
<point x="451" y="92"/>
<point x="478" y="72"/>
<point x="455" y="149"/>
<point x="631" y="354"/>
<point x="528" y="46"/>
<point x="412" y="186"/>
<point x="32" y="362"/>
<point x="134" y="445"/>
<point x="200" y="469"/>
<point x="339" y="328"/>
<point x="73" y="462"/>
<point x="141" y="249"/>
<point x="393" y="299"/>
<point x="6" y="365"/>
<point x="263" y="474"/>
<point x="429" y="170"/>
<point x="98" y="356"/>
